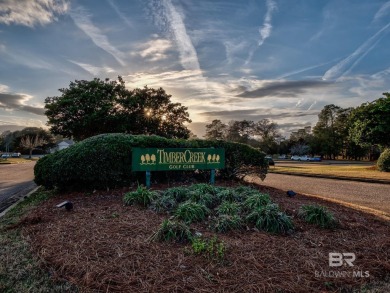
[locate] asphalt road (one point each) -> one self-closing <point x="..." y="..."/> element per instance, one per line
<point x="16" y="180"/>
<point x="370" y="195"/>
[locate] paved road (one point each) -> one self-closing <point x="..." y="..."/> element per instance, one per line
<point x="371" y="195"/>
<point x="16" y="180"/>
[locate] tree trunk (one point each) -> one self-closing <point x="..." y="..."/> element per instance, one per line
<point x="30" y="153"/>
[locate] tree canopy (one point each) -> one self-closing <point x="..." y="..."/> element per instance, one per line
<point x="370" y="122"/>
<point x="88" y="108"/>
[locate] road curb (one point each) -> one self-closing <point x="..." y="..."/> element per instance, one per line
<point x="16" y="203"/>
<point x="366" y="180"/>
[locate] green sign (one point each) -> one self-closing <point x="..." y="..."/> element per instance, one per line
<point x="163" y="159"/>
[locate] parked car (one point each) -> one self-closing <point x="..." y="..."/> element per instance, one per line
<point x="4" y="156"/>
<point x="16" y="155"/>
<point x="270" y="161"/>
<point x="300" y="158"/>
<point x="315" y="159"/>
<point x="283" y="157"/>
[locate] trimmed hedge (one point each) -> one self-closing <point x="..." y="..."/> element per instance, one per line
<point x="383" y="162"/>
<point x="104" y="161"/>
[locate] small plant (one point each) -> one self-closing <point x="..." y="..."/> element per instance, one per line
<point x="212" y="248"/>
<point x="229" y="195"/>
<point x="225" y="223"/>
<point x="163" y="204"/>
<point x="180" y="194"/>
<point x="173" y="231"/>
<point x="191" y="212"/>
<point x="319" y="215"/>
<point x="269" y="218"/>
<point x="383" y="162"/>
<point x="204" y="188"/>
<point x="245" y="191"/>
<point x="142" y="196"/>
<point x="256" y="201"/>
<point x="206" y="199"/>
<point x="228" y="208"/>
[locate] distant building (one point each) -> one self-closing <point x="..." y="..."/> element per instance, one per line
<point x="63" y="144"/>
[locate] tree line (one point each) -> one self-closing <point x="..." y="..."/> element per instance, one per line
<point x="352" y="133"/>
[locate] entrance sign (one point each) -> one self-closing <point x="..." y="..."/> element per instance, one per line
<point x="165" y="159"/>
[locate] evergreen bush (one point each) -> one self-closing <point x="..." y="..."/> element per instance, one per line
<point x="383" y="162"/>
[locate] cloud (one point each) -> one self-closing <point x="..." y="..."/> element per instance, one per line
<point x="284" y="89"/>
<point x="258" y="114"/>
<point x="18" y="102"/>
<point x="31" y="12"/>
<point x="155" y="50"/>
<point x="168" y="17"/>
<point x="120" y="14"/>
<point x="385" y="9"/>
<point x="93" y="70"/>
<point x="344" y="66"/>
<point x="265" y="30"/>
<point x="83" y="21"/>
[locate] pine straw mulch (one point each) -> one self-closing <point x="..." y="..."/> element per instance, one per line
<point x="102" y="246"/>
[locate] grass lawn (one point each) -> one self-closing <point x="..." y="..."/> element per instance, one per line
<point x="16" y="160"/>
<point x="357" y="171"/>
<point x="104" y="246"/>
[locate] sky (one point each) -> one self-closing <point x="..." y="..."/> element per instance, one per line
<point x="230" y="60"/>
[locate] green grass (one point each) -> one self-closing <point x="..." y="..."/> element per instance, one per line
<point x="172" y="231"/>
<point x="228" y="208"/>
<point x="142" y="196"/>
<point x="20" y="271"/>
<point x="225" y="223"/>
<point x="190" y="212"/>
<point x="318" y="215"/>
<point x="212" y="249"/>
<point x="269" y="218"/>
<point x="256" y="201"/>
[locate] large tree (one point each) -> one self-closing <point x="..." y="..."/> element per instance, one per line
<point x="370" y="122"/>
<point x="216" y="130"/>
<point x="88" y="108"/>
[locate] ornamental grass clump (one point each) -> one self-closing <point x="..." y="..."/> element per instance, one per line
<point x="228" y="208"/>
<point x="172" y="231"/>
<point x="142" y="196"/>
<point x="204" y="188"/>
<point x="269" y="218"/>
<point x="164" y="204"/>
<point x="180" y="194"/>
<point x="205" y="199"/>
<point x="225" y="223"/>
<point x="229" y="195"/>
<point x="318" y="215"/>
<point x="190" y="212"/>
<point x="256" y="201"/>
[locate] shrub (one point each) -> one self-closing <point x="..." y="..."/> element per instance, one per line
<point x="191" y="212"/>
<point x="256" y="201"/>
<point x="142" y="196"/>
<point x="318" y="215"/>
<point x="178" y="193"/>
<point x="163" y="204"/>
<point x="212" y="248"/>
<point x="228" y="208"/>
<point x="172" y="231"/>
<point x="104" y="161"/>
<point x="383" y="162"/>
<point x="225" y="223"/>
<point x="269" y="218"/>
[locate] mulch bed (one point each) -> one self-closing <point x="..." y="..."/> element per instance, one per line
<point x="102" y="246"/>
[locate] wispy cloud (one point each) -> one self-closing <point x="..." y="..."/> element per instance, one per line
<point x="168" y="17"/>
<point x="383" y="11"/>
<point x="284" y="89"/>
<point x="352" y="60"/>
<point x="266" y="29"/>
<point x="120" y="14"/>
<point x="11" y="102"/>
<point x="93" y="70"/>
<point x="83" y="20"/>
<point x="31" y="12"/>
<point x="155" y="49"/>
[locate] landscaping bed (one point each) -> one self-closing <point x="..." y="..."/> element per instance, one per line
<point x="104" y="246"/>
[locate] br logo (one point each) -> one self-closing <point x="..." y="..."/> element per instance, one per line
<point x="338" y="259"/>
